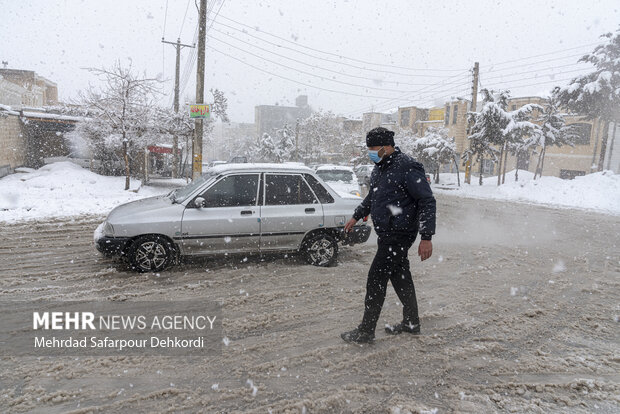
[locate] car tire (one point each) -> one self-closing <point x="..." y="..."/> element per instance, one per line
<point x="321" y="250"/>
<point x="150" y="253"/>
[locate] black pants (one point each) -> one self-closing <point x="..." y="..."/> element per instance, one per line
<point x="390" y="263"/>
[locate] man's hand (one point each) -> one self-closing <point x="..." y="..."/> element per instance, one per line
<point x="425" y="249"/>
<point x="349" y="226"/>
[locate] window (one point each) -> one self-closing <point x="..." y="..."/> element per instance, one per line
<point x="513" y="108"/>
<point x="447" y="117"/>
<point x="455" y="112"/>
<point x="179" y="195"/>
<point x="582" y="132"/>
<point x="286" y="189"/>
<point x="335" y="175"/>
<point x="404" y="117"/>
<point x="488" y="166"/>
<point x="232" y="191"/>
<point x="324" y="196"/>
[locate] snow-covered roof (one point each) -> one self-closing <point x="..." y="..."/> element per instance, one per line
<point x="58" y="117"/>
<point x="42" y="115"/>
<point x="262" y="167"/>
<point x="334" y="167"/>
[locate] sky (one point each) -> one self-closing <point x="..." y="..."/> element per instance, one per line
<point x="349" y="57"/>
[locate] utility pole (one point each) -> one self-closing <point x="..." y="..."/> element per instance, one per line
<point x="474" y="102"/>
<point x="175" y="139"/>
<point x="297" y="141"/>
<point x="200" y="91"/>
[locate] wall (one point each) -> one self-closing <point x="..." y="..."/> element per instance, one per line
<point x="12" y="142"/>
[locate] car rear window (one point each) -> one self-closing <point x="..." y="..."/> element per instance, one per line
<point x="324" y="196"/>
<point x="287" y="189"/>
<point x="336" y="175"/>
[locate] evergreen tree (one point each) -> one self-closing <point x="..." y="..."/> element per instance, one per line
<point x="597" y="94"/>
<point x="552" y="132"/>
<point x="434" y="149"/>
<point x="495" y="126"/>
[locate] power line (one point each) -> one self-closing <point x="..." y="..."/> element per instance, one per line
<point x="313" y="74"/>
<point x="216" y="14"/>
<point x="333" y="61"/>
<point x="191" y="59"/>
<point x="183" y="23"/>
<point x="293" y="80"/>
<point x="545" y="54"/>
<point x="534" y="71"/>
<point x="330" y="53"/>
<point x="163" y="33"/>
<point x="405" y="97"/>
<point x="308" y="64"/>
<point x="550" y="74"/>
<point x="534" y="63"/>
<point x="532" y="84"/>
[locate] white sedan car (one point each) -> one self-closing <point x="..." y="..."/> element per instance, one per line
<point x="341" y="179"/>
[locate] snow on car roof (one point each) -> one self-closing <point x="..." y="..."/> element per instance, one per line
<point x="335" y="167"/>
<point x="259" y="167"/>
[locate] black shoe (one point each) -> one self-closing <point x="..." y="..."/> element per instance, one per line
<point x="358" y="336"/>
<point x="402" y="327"/>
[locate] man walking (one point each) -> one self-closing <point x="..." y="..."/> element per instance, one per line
<point x="401" y="204"/>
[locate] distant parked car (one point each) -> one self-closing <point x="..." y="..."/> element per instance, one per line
<point x="233" y="208"/>
<point x="340" y="178"/>
<point x="363" y="173"/>
<point x="238" y="160"/>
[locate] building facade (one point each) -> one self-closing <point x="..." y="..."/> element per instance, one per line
<point x="586" y="156"/>
<point x="35" y="90"/>
<point x="268" y="118"/>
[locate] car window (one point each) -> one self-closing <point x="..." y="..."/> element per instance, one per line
<point x="232" y="191"/>
<point x="324" y="196"/>
<point x="286" y="189"/>
<point x="335" y="175"/>
<point x="180" y="194"/>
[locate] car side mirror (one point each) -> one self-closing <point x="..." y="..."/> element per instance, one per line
<point x="199" y="202"/>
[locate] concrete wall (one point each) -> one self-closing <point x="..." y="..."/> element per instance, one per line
<point x="12" y="142"/>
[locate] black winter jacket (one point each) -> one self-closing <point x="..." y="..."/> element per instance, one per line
<point x="400" y="200"/>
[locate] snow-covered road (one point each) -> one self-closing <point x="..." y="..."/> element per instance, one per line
<point x="519" y="308"/>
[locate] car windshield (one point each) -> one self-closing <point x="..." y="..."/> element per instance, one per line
<point x="180" y="194"/>
<point x="336" y="175"/>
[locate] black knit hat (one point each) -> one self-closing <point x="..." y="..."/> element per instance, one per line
<point x="379" y="136"/>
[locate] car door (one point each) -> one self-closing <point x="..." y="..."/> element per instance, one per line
<point x="228" y="222"/>
<point x="289" y="211"/>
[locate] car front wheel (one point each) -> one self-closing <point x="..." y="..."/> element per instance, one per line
<point x="321" y="250"/>
<point x="150" y="254"/>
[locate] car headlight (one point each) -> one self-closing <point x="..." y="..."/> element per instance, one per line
<point x="108" y="230"/>
<point x="355" y="192"/>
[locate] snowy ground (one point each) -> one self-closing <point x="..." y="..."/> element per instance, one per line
<point x="64" y="189"/>
<point x="519" y="309"/>
<point x="598" y="191"/>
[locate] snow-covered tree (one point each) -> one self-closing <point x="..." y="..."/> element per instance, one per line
<point x="122" y="106"/>
<point x="285" y="139"/>
<point x="433" y="149"/>
<point x="495" y="126"/>
<point x="597" y="94"/>
<point x="174" y="126"/>
<point x="319" y="134"/>
<point x="552" y="131"/>
<point x="266" y="149"/>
